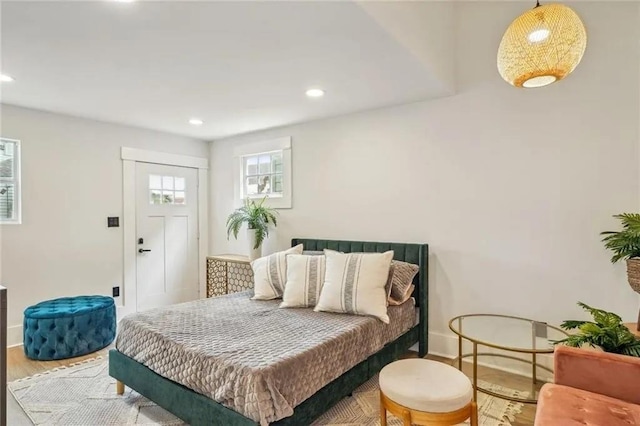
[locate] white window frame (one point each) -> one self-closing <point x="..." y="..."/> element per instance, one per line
<point x="283" y="145"/>
<point x="162" y="190"/>
<point x="17" y="182"/>
<point x="258" y="174"/>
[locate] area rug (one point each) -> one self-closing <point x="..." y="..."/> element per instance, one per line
<point x="84" y="394"/>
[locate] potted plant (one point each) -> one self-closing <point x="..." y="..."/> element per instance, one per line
<point x="606" y="332"/>
<point x="625" y="244"/>
<point x="258" y="218"/>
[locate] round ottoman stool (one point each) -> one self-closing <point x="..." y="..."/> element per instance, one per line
<point x="68" y="327"/>
<point x="424" y="392"/>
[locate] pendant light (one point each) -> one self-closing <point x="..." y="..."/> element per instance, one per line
<point x="542" y="46"/>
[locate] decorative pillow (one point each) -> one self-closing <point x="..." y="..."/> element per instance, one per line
<point x="387" y="286"/>
<point x="354" y="283"/>
<point x="270" y="273"/>
<point x="408" y="296"/>
<point x="402" y="281"/>
<point x="305" y="276"/>
<point x="399" y="287"/>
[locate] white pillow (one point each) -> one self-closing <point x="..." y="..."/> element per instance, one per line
<point x="354" y="283"/>
<point x="305" y="276"/>
<point x="270" y="273"/>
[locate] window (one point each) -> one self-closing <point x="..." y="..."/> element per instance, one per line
<point x="9" y="181"/>
<point x="264" y="170"/>
<point x="167" y="190"/>
<point x="263" y="174"/>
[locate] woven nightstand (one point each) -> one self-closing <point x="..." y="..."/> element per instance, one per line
<point x="228" y="273"/>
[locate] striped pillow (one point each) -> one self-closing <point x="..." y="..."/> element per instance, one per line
<point x="354" y="283"/>
<point x="305" y="276"/>
<point x="399" y="287"/>
<point x="270" y="273"/>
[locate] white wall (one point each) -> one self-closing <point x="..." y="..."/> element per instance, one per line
<point x="509" y="187"/>
<point x="425" y="29"/>
<point x="72" y="180"/>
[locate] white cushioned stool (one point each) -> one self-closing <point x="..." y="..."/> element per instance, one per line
<point x="424" y="392"/>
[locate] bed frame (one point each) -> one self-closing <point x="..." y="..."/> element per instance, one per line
<point x="196" y="409"/>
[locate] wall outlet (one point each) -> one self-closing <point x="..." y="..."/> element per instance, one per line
<point x="116" y="291"/>
<point x="540" y="329"/>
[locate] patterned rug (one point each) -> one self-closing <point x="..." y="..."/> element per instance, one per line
<point x="84" y="394"/>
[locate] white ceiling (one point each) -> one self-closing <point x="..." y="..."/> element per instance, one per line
<point x="239" y="66"/>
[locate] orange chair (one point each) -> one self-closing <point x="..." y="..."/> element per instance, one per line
<point x="591" y="388"/>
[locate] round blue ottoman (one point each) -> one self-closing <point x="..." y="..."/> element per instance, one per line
<point x="68" y="327"/>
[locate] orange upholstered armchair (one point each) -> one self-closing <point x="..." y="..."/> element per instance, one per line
<point x="591" y="388"/>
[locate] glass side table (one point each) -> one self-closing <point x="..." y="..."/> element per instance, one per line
<point x="520" y="336"/>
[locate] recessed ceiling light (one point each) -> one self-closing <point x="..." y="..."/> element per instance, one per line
<point x="315" y="93"/>
<point x="5" y="78"/>
<point x="124" y="1"/>
<point x="196" y="122"/>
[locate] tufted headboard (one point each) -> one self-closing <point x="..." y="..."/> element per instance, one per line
<point x="407" y="252"/>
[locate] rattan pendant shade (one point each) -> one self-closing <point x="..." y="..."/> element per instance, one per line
<point x="541" y="46"/>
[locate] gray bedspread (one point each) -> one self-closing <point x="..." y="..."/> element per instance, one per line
<point x="251" y="356"/>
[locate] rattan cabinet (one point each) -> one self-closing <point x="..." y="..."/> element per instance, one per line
<point x="228" y="273"/>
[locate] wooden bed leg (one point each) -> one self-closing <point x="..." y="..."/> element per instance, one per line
<point x="119" y="388"/>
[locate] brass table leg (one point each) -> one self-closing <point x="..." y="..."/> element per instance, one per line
<point x="475" y="371"/>
<point x="534" y="372"/>
<point x="460" y="353"/>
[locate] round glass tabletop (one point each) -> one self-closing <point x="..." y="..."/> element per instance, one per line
<point x="507" y="332"/>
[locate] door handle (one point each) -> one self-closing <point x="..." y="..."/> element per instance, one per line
<point x="143" y="250"/>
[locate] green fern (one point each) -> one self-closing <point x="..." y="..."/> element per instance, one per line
<point x="626" y="243"/>
<point x="256" y="215"/>
<point x="606" y="331"/>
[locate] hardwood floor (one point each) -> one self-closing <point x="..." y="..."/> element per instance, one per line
<point x="19" y="366"/>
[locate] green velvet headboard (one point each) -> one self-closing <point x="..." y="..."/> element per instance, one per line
<point x="417" y="254"/>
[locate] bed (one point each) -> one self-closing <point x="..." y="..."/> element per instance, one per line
<point x="257" y="375"/>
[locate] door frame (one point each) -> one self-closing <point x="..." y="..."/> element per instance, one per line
<point x="126" y="303"/>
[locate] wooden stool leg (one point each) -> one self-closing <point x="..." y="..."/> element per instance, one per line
<point x="474" y="414"/>
<point x="119" y="387"/>
<point x="406" y="418"/>
<point x="383" y="412"/>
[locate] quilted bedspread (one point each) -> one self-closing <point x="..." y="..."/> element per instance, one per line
<point x="251" y="356"/>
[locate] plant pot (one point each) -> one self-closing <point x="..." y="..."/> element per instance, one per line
<point x="633" y="275"/>
<point x="251" y="240"/>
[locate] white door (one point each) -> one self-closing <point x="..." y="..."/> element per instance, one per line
<point x="167" y="235"/>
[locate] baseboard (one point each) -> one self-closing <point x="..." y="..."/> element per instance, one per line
<point x="14" y="336"/>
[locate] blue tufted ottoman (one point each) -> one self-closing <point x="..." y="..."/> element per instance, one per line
<point x="68" y="327"/>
